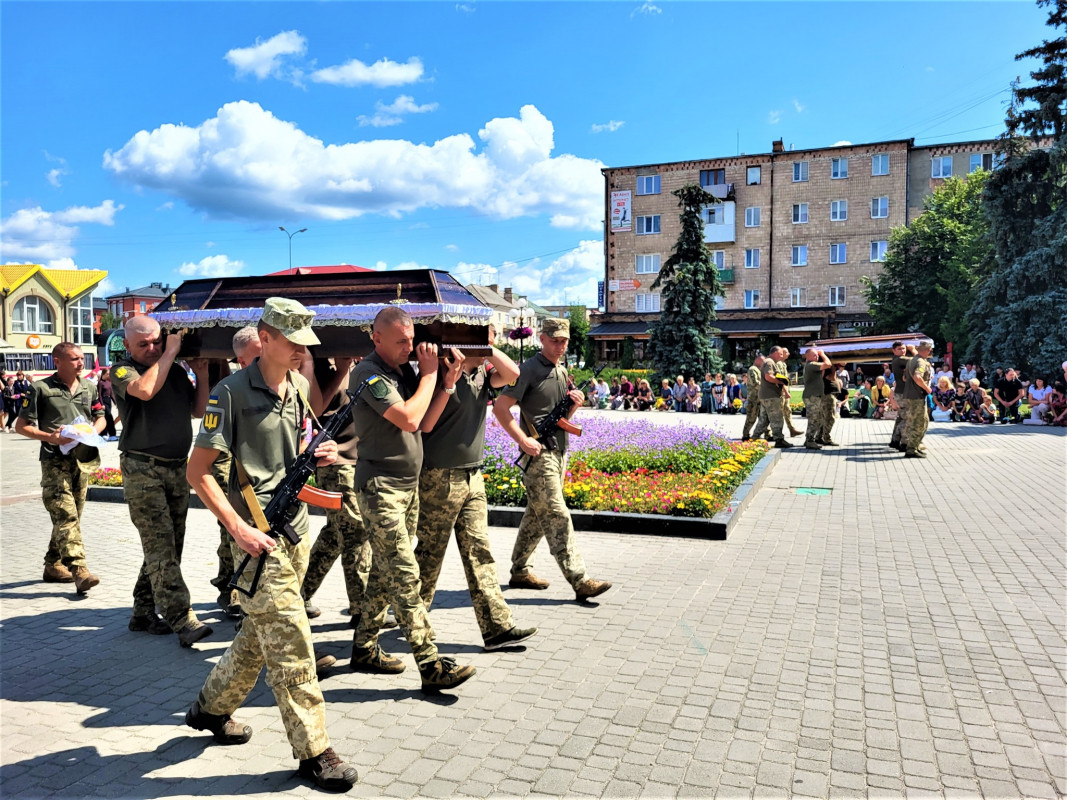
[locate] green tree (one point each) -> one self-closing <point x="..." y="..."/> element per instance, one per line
<point x="626" y="357"/>
<point x="680" y="340"/>
<point x="109" y="322"/>
<point x="577" y="314"/>
<point x="934" y="266"/>
<point x="1020" y="315"/>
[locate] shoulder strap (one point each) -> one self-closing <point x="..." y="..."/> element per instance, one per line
<point x="250" y="498"/>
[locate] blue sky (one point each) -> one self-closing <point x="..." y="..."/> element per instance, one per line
<point x="164" y="141"/>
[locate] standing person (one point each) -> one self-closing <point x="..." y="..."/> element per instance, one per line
<point x="1009" y="394"/>
<point x="752" y="379"/>
<point x="452" y="491"/>
<point x="733" y="394"/>
<point x="540" y="388"/>
<point x="11" y="407"/>
<point x="773" y="382"/>
<point x="832" y="388"/>
<point x="107" y="397"/>
<point x="156" y="401"/>
<point x="387" y="418"/>
<point x="917" y="388"/>
<point x="787" y="399"/>
<point x="896" y="367"/>
<point x="815" y="362"/>
<point x="258" y="416"/>
<point x="47" y="406"/>
<point x="20" y="390"/>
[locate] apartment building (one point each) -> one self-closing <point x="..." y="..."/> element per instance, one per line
<point x="793" y="234"/>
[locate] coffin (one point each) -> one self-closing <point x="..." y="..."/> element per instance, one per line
<point x="211" y="310"/>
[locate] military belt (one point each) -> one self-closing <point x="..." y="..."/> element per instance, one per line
<point x="150" y="459"/>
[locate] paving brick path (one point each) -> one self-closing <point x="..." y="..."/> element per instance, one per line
<point x="900" y="636"/>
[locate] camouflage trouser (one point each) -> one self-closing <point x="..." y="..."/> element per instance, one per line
<point x="751" y="415"/>
<point x="915" y="422"/>
<point x="275" y="632"/>
<point x="547" y="517"/>
<point x="770" y="416"/>
<point x="829" y="416"/>
<point x="815" y="411"/>
<point x="343" y="535"/>
<point x="898" y="425"/>
<point x="157" y="496"/>
<point x="220" y="471"/>
<point x="390" y="510"/>
<point x="787" y="414"/>
<point x="456" y="497"/>
<point x="64" y="482"/>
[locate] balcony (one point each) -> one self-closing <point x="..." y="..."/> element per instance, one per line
<point x="726" y="275"/>
<point x="723" y="191"/>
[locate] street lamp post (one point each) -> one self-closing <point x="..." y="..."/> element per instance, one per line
<point x="519" y="316"/>
<point x="291" y="235"/>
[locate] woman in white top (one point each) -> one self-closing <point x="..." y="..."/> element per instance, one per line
<point x="1038" y="398"/>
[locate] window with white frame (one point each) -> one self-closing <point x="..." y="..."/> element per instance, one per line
<point x="80" y="320"/>
<point x="648" y="184"/>
<point x="879" y="207"/>
<point x="720" y="302"/>
<point x="718" y="258"/>
<point x="837" y="295"/>
<point x="647" y="302"/>
<point x="880" y="164"/>
<point x="648" y="224"/>
<point x="647" y="264"/>
<point x="751" y="298"/>
<point x="798" y="297"/>
<point x="981" y="161"/>
<point x="838" y="252"/>
<point x="752" y="258"/>
<point x="800" y="213"/>
<point x="714" y="214"/>
<point x="800" y="255"/>
<point x="941" y="167"/>
<point x="878" y="249"/>
<point x="753" y="176"/>
<point x="752" y="217"/>
<point x="32" y="315"/>
<point x="839" y="210"/>
<point x="838" y="168"/>
<point x="800" y="171"/>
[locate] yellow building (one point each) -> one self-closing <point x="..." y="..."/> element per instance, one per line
<point x="42" y="307"/>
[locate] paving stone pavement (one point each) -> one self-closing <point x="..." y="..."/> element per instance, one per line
<point x="900" y="636"/>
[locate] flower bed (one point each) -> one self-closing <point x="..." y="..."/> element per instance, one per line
<point x="633" y="466"/>
<point x="105" y="476"/>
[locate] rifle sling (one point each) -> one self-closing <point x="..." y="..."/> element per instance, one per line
<point x="254" y="508"/>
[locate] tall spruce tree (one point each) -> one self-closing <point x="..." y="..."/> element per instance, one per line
<point x="680" y="340"/>
<point x="1020" y="315"/>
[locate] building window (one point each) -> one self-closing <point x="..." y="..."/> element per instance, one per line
<point x="720" y="303"/>
<point x="715" y="214"/>
<point x="837" y="295"/>
<point x="647" y="265"/>
<point x="648" y="224"/>
<point x="751" y="298"/>
<point x="838" y="168"/>
<point x="718" y="258"/>
<point x="648" y="184"/>
<point x="981" y="161"/>
<point x="752" y="217"/>
<point x="31" y="315"/>
<point x="878" y="250"/>
<point x="647" y="302"/>
<point x="941" y="167"/>
<point x="144" y="307"/>
<point x="752" y="258"/>
<point x="798" y="297"/>
<point x="712" y="177"/>
<point x="838" y="252"/>
<point x="879" y="207"/>
<point x="800" y="213"/>
<point x="80" y="320"/>
<point x="880" y="164"/>
<point x="839" y="210"/>
<point x="800" y="171"/>
<point x="753" y="176"/>
<point x="800" y="255"/>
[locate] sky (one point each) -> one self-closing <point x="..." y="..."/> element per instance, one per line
<point x="168" y="141"/>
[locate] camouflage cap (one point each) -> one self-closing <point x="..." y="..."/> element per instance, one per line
<point x="557" y="328"/>
<point x="291" y="319"/>
<point x="925" y="344"/>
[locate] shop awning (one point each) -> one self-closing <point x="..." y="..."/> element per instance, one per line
<point x="620" y="330"/>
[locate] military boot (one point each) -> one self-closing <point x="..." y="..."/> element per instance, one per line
<point x="222" y="727"/>
<point x="527" y="580"/>
<point x="84" y="580"/>
<point x="193" y="633"/>
<point x="374" y="659"/>
<point x="57" y="573"/>
<point x="590" y="587"/>
<point x="443" y="673"/>
<point x="329" y="772"/>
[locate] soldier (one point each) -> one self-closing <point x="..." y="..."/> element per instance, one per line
<point x="156" y="400"/>
<point x="258" y="416"/>
<point x="917" y="388"/>
<point x="787" y="400"/>
<point x="831" y="385"/>
<point x="387" y="417"/>
<point x="815" y="362"/>
<point x="752" y="407"/>
<point x="542" y="384"/>
<point x="773" y="383"/>
<point x="50" y="404"/>
<point x="452" y="491"/>
<point x="901" y="356"/>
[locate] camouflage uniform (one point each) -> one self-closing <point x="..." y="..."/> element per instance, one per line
<point x="829" y="413"/>
<point x="770" y="397"/>
<point x="814" y="394"/>
<point x="343" y="535"/>
<point x="752" y="404"/>
<point x="915" y="417"/>
<point x="220" y="471"/>
<point x="899" y="365"/>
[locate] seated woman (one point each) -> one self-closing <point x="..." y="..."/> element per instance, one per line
<point x="666" y="398"/>
<point x="861" y="401"/>
<point x="944" y="397"/>
<point x="602" y="395"/>
<point x="880" y="397"/>
<point x="959" y="403"/>
<point x="733" y="395"/>
<point x="707" y="405"/>
<point x="974" y="397"/>
<point x="1057" y="403"/>
<point x="644" y="399"/>
<point x="692" y="396"/>
<point x="718" y="394"/>
<point x="679" y="393"/>
<point x="1038" y="397"/>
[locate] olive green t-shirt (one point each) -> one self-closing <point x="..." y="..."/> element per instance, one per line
<point x="921" y="367"/>
<point x="767" y="389"/>
<point x="346" y="438"/>
<point x="247" y="419"/>
<point x="457" y="441"/>
<point x="539" y="388"/>
<point x="161" y="426"/>
<point x="813" y="385"/>
<point x="50" y="405"/>
<point x="384" y="449"/>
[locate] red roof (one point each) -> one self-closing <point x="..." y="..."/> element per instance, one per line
<point x="331" y="270"/>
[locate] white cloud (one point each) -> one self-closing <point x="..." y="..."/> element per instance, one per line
<point x="393" y="114"/>
<point x="246" y="163"/>
<point x="264" y="59"/>
<point x="33" y="235"/>
<point x="466" y="8"/>
<point x="220" y="266"/>
<point x="167" y="206"/>
<point x="647" y="9"/>
<point x="105" y="287"/>
<point x="610" y="126"/>
<point x="798" y="106"/>
<point x="381" y="73"/>
<point x="842" y="143"/>
<point x="451" y="247"/>
<point x="55" y="176"/>
<point x="774" y="117"/>
<point x="570" y="278"/>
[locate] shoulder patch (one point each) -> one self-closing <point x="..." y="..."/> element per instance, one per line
<point x="213" y="400"/>
<point x="379" y="388"/>
<point x="25" y="402"/>
<point x="211" y="421"/>
<point x="121" y="372"/>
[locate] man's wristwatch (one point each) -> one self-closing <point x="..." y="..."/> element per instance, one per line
<point x="450" y="390"/>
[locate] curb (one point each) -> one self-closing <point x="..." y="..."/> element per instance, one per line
<point x="716" y="528"/>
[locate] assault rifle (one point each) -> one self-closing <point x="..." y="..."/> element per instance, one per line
<point x="556" y="418"/>
<point x="293" y="490"/>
